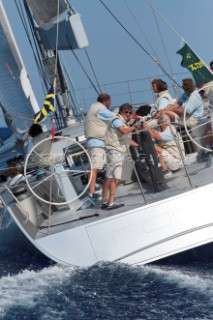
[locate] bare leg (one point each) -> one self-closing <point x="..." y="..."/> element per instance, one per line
<point x="112" y="190"/>
<point x="93" y="181"/>
<point x="159" y="151"/>
<point x="105" y="189"/>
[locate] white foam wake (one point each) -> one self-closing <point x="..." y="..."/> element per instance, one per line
<point x="185" y="278"/>
<point x="26" y="288"/>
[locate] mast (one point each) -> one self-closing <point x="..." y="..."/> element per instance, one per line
<point x="71" y="35"/>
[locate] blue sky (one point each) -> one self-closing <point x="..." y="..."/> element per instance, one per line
<point x="115" y="57"/>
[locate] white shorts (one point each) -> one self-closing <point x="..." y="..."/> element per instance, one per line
<point x="114" y="165"/>
<point x="171" y="162"/>
<point x="190" y="121"/>
<point x="98" y="157"/>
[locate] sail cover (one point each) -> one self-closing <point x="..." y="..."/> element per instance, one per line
<point x="71" y="30"/>
<point x="45" y="11"/>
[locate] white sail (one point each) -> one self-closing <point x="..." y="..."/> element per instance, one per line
<point x="14" y="83"/>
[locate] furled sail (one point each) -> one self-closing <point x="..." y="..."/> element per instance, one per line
<point x="45" y="12"/>
<point x="71" y="31"/>
<point x="16" y="93"/>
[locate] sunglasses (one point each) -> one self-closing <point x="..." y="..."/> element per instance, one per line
<point x="128" y="112"/>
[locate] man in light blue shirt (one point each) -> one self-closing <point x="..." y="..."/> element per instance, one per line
<point x="97" y="119"/>
<point x="190" y="102"/>
<point x="104" y="115"/>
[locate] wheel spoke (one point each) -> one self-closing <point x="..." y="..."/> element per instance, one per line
<point x="56" y="187"/>
<point x="42" y="181"/>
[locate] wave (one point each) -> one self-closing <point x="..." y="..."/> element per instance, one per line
<point x="29" y="287"/>
<point x="189" y="277"/>
<point x="107" y="291"/>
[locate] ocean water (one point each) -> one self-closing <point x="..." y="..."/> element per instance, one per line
<point x="34" y="288"/>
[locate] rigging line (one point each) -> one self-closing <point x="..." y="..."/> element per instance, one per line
<point x="140" y="28"/>
<point x="86" y="51"/>
<point x="175" y="88"/>
<point x="56" y="57"/>
<point x="72" y="92"/>
<point x="21" y="14"/>
<point x="169" y="24"/>
<point x="172" y="28"/>
<point x="37" y="58"/>
<point x="161" y="37"/>
<point x="56" y="45"/>
<point x="138" y="43"/>
<point x="94" y="87"/>
<point x="13" y="115"/>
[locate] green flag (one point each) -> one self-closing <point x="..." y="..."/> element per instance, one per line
<point x="197" y="67"/>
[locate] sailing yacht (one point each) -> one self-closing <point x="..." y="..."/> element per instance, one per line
<point x="50" y="205"/>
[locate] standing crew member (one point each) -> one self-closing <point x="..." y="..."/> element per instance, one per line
<point x="95" y="127"/>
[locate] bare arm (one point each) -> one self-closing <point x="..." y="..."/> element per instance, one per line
<point x="125" y="131"/>
<point x="174" y="105"/>
<point x="134" y="144"/>
<point x="155" y="135"/>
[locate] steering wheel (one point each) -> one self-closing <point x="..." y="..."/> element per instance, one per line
<point x="210" y="107"/>
<point x="55" y="164"/>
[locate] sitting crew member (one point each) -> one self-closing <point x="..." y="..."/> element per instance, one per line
<point x="98" y="116"/>
<point x="118" y="139"/>
<point x="34" y="131"/>
<point x="163" y="99"/>
<point x="168" y="145"/>
<point x="191" y="101"/>
<point x="211" y="66"/>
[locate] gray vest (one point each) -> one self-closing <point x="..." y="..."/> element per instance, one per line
<point x="115" y="140"/>
<point x="94" y="127"/>
<point x="163" y="94"/>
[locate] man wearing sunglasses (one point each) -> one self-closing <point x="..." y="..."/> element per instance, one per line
<point x="118" y="139"/>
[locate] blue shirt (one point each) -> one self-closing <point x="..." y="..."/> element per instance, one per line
<point x="193" y="104"/>
<point x="104" y="115"/>
<point x="117" y="123"/>
<point x="166" y="136"/>
<point x="162" y="104"/>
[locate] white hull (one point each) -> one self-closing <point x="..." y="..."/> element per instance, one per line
<point x="175" y="219"/>
<point x="139" y="236"/>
